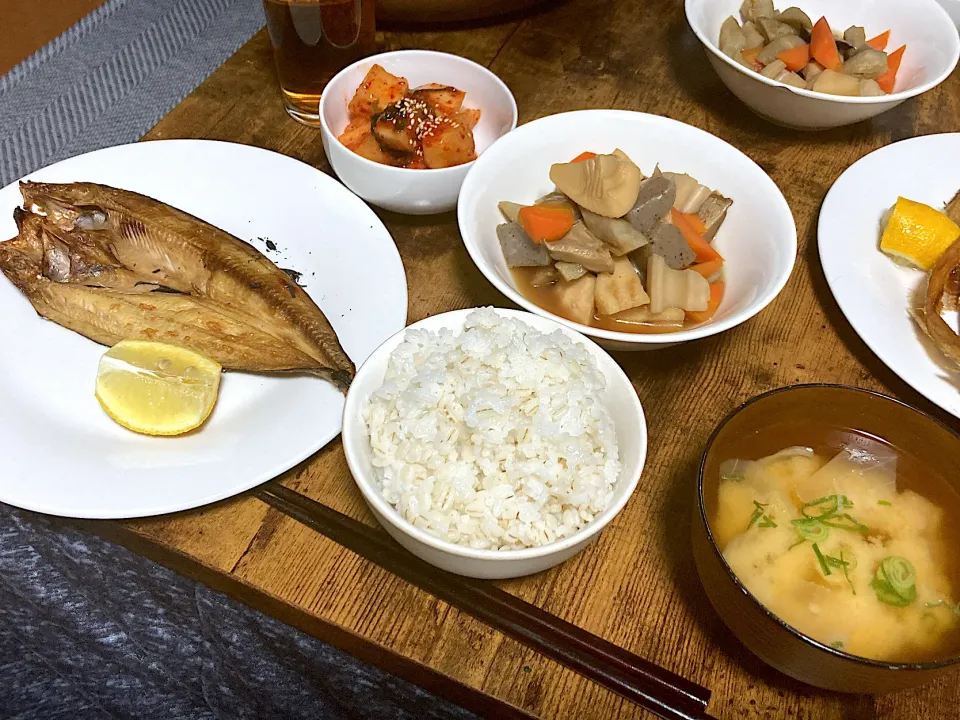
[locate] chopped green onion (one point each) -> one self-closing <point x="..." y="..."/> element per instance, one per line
<point x="848" y="565"/>
<point x="828" y="505"/>
<point x="822" y="560"/>
<point x="837" y="645"/>
<point x="734" y="469"/>
<point x="846" y="522"/>
<point x="895" y="582"/>
<point x="810" y="529"/>
<point x="801" y="541"/>
<point x="847" y="502"/>
<point x="849" y="557"/>
<point x="954" y="607"/>
<point x="884" y="502"/>
<point x="765" y="520"/>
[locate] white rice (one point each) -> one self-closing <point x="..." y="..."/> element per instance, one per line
<point x="495" y="437"/>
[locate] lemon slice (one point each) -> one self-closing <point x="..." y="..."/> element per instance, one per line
<point x="917" y="234"/>
<point x="155" y="388"/>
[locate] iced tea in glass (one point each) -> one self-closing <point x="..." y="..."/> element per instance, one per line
<point x="313" y="40"/>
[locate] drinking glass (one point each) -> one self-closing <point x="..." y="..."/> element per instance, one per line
<point x="312" y="40"/>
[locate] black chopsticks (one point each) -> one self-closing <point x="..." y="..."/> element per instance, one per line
<point x="653" y="688"/>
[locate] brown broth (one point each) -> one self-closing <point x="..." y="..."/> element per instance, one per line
<point x="912" y="474"/>
<point x="545" y="297"/>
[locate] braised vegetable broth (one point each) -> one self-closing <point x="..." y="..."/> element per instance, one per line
<point x="543" y="296"/>
<point x="912" y="474"/>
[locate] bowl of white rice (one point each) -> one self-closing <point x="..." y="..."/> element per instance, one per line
<point x="493" y="443"/>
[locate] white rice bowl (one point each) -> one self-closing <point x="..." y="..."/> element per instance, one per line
<point x="493" y="438"/>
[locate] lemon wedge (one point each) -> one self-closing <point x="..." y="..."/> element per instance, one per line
<point x="156" y="388"/>
<point x="917" y="234"/>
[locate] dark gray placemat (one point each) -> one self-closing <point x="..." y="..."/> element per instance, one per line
<point x="88" y="630"/>
<point x="109" y="78"/>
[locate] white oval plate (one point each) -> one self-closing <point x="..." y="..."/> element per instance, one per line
<point x="873" y="292"/>
<point x="62" y="455"/>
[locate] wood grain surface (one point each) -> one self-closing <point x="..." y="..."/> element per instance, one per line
<point x="637" y="585"/>
<point x="30" y="24"/>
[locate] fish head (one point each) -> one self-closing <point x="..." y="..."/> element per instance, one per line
<point x="71" y="206"/>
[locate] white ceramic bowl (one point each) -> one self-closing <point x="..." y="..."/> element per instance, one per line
<point x="758" y="239"/>
<point x="933" y="48"/>
<point x="414" y="192"/>
<point x="619" y="397"/>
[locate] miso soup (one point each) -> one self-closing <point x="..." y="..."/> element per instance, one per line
<point x="855" y="546"/>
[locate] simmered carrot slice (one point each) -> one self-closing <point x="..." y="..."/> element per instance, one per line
<point x="696" y="222"/>
<point x="701" y="247"/>
<point x="708" y="269"/>
<point x="796" y="59"/>
<point x="823" y="48"/>
<point x="880" y="41"/>
<point x="584" y="156"/>
<point x="716" y="296"/>
<point x="547" y="222"/>
<point x="889" y="78"/>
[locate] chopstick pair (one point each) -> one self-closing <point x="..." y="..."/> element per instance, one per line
<point x="653" y="688"/>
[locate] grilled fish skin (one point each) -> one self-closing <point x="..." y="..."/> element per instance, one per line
<point x="113" y="264"/>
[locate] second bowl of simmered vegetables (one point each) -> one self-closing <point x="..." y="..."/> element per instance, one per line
<point x="637" y="230"/>
<point x="818" y="64"/>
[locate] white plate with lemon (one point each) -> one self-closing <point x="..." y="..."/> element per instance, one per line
<point x="876" y="293"/>
<point x="63" y="454"/>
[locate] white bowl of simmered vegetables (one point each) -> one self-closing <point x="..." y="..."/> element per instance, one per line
<point x="825" y="533"/>
<point x="821" y="64"/>
<point x="637" y="230"/>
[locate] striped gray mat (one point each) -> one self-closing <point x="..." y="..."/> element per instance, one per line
<point x="109" y="78"/>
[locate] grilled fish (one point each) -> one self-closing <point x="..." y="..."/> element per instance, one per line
<point x="112" y="265"/>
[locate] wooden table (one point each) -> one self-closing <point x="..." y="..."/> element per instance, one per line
<point x="637" y="585"/>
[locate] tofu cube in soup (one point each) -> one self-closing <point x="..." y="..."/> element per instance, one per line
<point x="378" y="90"/>
<point x="575" y="299"/>
<point x="447" y="100"/>
<point x="621" y="289"/>
<point x="447" y="144"/>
